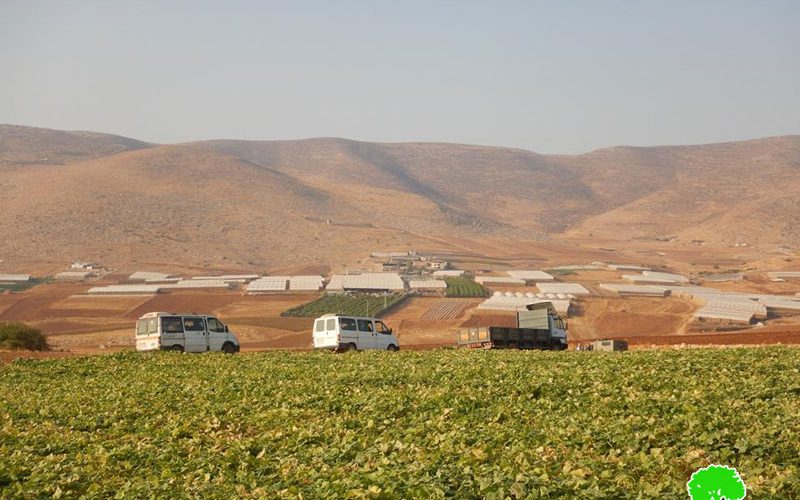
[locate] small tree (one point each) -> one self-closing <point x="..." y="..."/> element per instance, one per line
<point x="21" y="336"/>
<point x="716" y="482"/>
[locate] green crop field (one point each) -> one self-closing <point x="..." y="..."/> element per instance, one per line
<point x="360" y="304"/>
<point x="463" y="287"/>
<point x="492" y="424"/>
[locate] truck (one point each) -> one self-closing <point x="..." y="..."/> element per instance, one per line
<point x="184" y="332"/>
<point x="538" y="327"/>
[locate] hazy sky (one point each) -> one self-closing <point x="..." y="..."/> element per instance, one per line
<point x="557" y="76"/>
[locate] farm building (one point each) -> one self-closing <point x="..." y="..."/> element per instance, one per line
<point x="448" y="273"/>
<point x="572" y="288"/>
<point x="499" y="280"/>
<point x="306" y="283"/>
<point x="230" y="278"/>
<point x="510" y="301"/>
<point x="125" y="290"/>
<point x="427" y="286"/>
<point x="198" y="285"/>
<point x="74" y="276"/>
<point x="531" y="276"/>
<point x="577" y="267"/>
<point x="86" y="266"/>
<point x="147" y="275"/>
<point x="656" y="278"/>
<point x="726" y="316"/>
<point x="267" y="284"/>
<point x="635" y="290"/>
<point x="366" y="282"/>
<point x="15" y="278"/>
<point x="627" y="267"/>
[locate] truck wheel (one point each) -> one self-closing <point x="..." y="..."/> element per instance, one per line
<point x="555" y="347"/>
<point x="392" y="348"/>
<point x="176" y="348"/>
<point x="228" y="348"/>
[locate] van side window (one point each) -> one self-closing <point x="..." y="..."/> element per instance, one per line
<point x="319" y="325"/>
<point x="348" y="324"/>
<point x="331" y="325"/>
<point x="171" y="324"/>
<point x="194" y="324"/>
<point x="381" y="328"/>
<point x="214" y="325"/>
<point x="364" y="325"/>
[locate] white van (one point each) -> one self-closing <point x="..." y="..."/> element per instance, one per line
<point x="348" y="333"/>
<point x="184" y="332"/>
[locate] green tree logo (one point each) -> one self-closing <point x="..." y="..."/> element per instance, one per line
<point x="716" y="482"/>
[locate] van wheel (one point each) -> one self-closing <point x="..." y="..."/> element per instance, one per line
<point x="392" y="348"/>
<point x="349" y="347"/>
<point x="176" y="348"/>
<point x="228" y="348"/>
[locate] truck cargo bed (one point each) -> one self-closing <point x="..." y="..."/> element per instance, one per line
<point x="497" y="337"/>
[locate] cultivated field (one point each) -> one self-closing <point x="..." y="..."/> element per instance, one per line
<point x="412" y="424"/>
<point x="351" y="304"/>
<point x="463" y="287"/>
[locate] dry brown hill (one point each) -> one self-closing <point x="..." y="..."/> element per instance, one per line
<point x="246" y="204"/>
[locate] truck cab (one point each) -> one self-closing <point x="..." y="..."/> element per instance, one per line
<point x="184" y="332"/>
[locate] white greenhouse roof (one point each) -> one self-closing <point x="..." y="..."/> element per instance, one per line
<point x="238" y="278"/>
<point x="627" y="267"/>
<point x="267" y="285"/>
<point x="530" y="275"/>
<point x="501" y="280"/>
<point x="195" y="284"/>
<point x="640" y="290"/>
<point x="307" y="283"/>
<point x="148" y="275"/>
<point x="125" y="289"/>
<point x="573" y="288"/>
<point x="429" y="284"/>
<point x="783" y="274"/>
<point x="15" y="277"/>
<point x="448" y="273"/>
<point x="366" y="281"/>
<point x="514" y="303"/>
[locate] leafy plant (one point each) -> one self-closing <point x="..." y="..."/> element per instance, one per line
<point x="21" y="336"/>
<point x="475" y="424"/>
<point x="463" y="287"/>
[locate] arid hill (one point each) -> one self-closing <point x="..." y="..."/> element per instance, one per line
<point x="246" y="204"/>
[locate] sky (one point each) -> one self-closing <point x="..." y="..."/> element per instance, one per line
<point x="553" y="77"/>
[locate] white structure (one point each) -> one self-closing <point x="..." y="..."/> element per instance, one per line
<point x="572" y="288"/>
<point x="74" y="275"/>
<point x="427" y="285"/>
<point x="627" y="267"/>
<point x="197" y="284"/>
<point x="635" y="290"/>
<point x="147" y="275"/>
<point x="504" y="302"/>
<point x="499" y="280"/>
<point x="306" y="283"/>
<point x="577" y="267"/>
<point x="448" y="273"/>
<point x="125" y="290"/>
<point x="230" y="278"/>
<point x="530" y="275"/>
<point x="88" y="266"/>
<point x="711" y="313"/>
<point x="14" y="278"/>
<point x="366" y="282"/>
<point x="654" y="277"/>
<point x="267" y="284"/>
